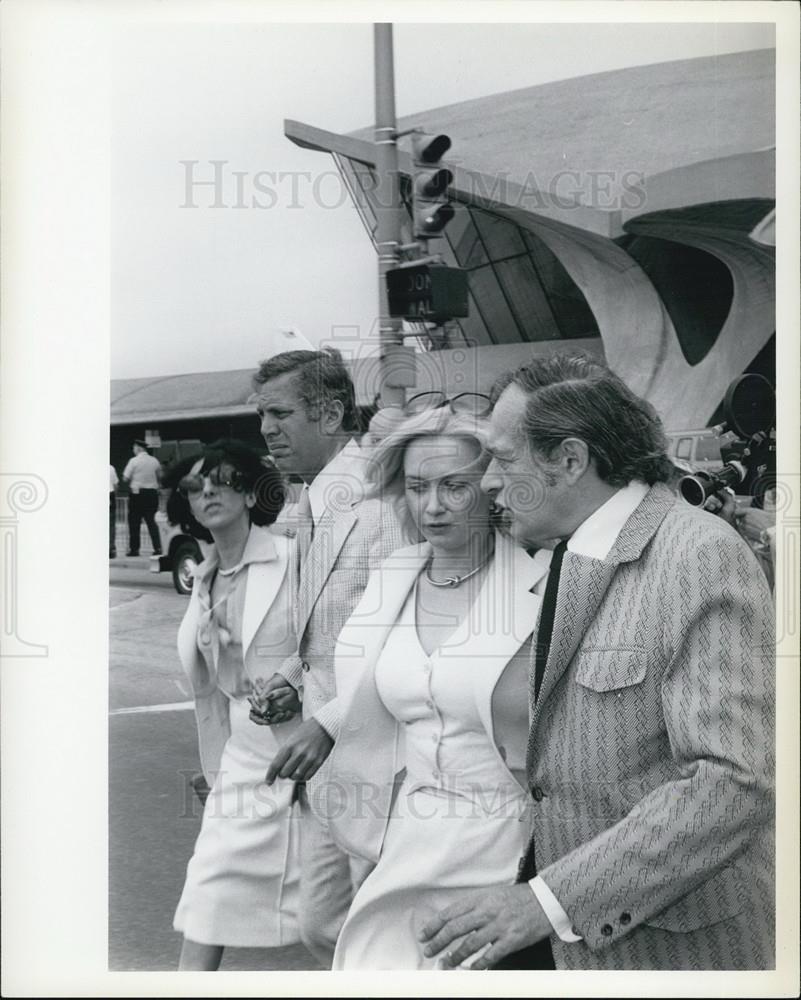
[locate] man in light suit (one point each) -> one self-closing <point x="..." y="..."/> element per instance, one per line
<point x="651" y="746"/>
<point x="305" y="400"/>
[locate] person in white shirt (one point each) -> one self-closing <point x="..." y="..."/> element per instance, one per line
<point x="142" y="474"/>
<point x="113" y="483"/>
<point x="306" y="405"/>
<point x="650" y="757"/>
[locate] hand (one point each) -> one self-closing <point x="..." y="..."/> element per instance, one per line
<point x="273" y="701"/>
<point x="267" y="715"/>
<point x="723" y="504"/>
<point x="506" y="917"/>
<point x="283" y="529"/>
<point x="302" y="754"/>
<point x="284" y="699"/>
<point x="751" y="522"/>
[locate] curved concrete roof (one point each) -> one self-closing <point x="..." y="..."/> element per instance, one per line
<point x="645" y="119"/>
<point x="595" y="151"/>
<point x="697" y="130"/>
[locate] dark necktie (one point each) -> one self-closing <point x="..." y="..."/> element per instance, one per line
<point x="545" y="629"/>
<point x="539" y="955"/>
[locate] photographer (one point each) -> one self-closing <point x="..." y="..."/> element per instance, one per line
<point x="755" y="526"/>
<point x="748" y="467"/>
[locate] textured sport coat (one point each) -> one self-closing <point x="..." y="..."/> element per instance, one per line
<point x="651" y="749"/>
<point x="353" y="537"/>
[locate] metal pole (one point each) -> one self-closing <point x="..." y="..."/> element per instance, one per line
<point x="388" y="230"/>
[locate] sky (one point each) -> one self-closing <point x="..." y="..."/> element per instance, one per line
<point x="199" y="284"/>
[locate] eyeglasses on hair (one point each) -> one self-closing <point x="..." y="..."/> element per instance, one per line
<point x="474" y="404"/>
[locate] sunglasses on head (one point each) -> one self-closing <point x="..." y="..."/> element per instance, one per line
<point x="474" y="404"/>
<point x="194" y="483"/>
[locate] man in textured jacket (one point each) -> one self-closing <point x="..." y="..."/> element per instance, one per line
<point x="651" y="745"/>
<point x="305" y="401"/>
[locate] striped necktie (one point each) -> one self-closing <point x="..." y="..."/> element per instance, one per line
<point x="305" y="526"/>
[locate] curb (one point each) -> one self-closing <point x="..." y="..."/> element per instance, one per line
<point x="130" y="562"/>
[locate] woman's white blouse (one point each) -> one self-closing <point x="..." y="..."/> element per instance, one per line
<point x="447" y="746"/>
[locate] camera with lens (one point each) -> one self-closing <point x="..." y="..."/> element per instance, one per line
<point x="749" y="458"/>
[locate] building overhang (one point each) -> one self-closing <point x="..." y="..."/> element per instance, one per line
<point x="746" y="175"/>
<point x="140" y="417"/>
<point x="472" y="187"/>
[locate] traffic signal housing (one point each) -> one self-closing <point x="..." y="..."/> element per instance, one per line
<point x="431" y="209"/>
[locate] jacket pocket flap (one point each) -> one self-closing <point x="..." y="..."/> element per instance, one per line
<point x="609" y="669"/>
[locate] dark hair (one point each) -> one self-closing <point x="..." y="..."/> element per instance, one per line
<point x="256" y="476"/>
<point x="320" y="378"/>
<point x="576" y="396"/>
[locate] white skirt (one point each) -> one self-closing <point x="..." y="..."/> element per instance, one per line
<point x="438" y="847"/>
<point x="242" y="882"/>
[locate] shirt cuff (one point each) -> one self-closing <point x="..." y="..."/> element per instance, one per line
<point x="292" y="671"/>
<point x="328" y="717"/>
<point x="552" y="908"/>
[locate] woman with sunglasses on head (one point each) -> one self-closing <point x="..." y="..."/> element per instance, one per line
<point x="432" y="683"/>
<point x="241" y="886"/>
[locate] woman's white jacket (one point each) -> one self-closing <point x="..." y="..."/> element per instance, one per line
<point x="268" y="637"/>
<point x="368" y="754"/>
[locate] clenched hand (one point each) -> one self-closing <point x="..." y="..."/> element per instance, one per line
<point x="273" y="701"/>
<point x="302" y="755"/>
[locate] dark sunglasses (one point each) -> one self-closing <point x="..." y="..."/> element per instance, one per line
<point x="193" y="484"/>
<point x="474" y="404"/>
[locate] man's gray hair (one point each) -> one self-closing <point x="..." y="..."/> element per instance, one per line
<point x="320" y="378"/>
<point x="576" y="396"/>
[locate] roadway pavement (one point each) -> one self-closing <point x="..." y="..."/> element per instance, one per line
<point x="153" y="815"/>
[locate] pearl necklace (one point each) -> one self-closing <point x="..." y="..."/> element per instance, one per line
<point x="455" y="581"/>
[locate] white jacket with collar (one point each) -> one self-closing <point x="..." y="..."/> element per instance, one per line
<point x="268" y="637"/>
<point x="368" y="754"/>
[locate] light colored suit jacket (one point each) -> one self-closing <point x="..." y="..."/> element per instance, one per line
<point x="368" y="755"/>
<point x="268" y="635"/>
<point x="651" y="749"/>
<point x="353" y="537"/>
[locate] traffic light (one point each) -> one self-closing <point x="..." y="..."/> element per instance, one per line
<point x="431" y="209"/>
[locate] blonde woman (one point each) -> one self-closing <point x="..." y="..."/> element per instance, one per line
<point x="432" y="678"/>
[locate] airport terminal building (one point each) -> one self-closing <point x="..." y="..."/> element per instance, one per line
<point x="628" y="213"/>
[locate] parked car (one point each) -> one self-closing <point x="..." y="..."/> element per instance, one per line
<point x="699" y="450"/>
<point x="181" y="554"/>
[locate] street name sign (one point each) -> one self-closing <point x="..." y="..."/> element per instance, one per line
<point x="427" y="292"/>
